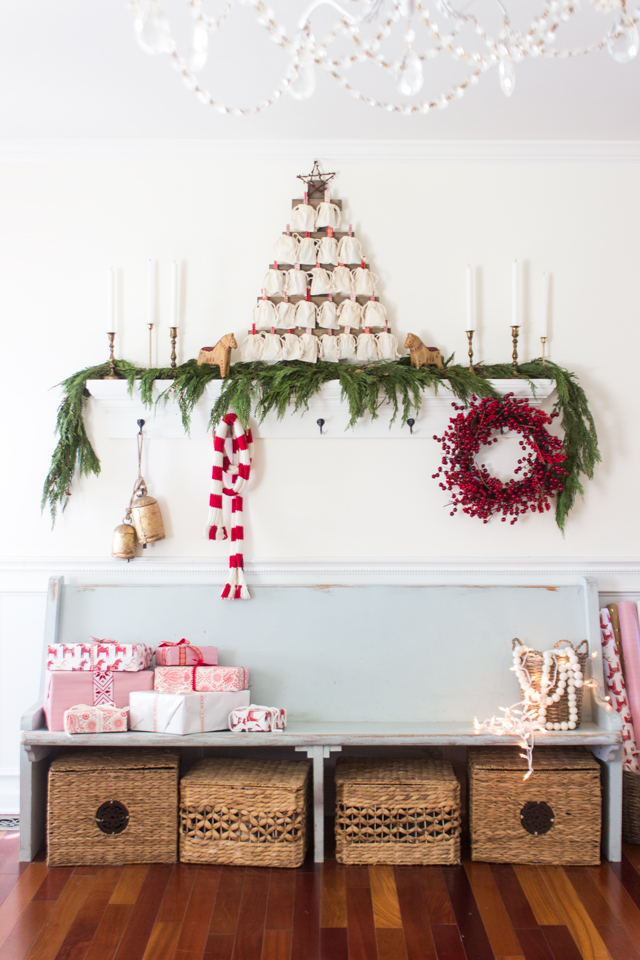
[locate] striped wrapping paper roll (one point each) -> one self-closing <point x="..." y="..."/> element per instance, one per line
<point x="630" y="633"/>
<point x="616" y="688"/>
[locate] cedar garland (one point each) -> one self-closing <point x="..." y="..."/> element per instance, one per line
<point x="261" y="388"/>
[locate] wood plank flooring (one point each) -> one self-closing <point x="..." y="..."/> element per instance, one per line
<point x="476" y="911"/>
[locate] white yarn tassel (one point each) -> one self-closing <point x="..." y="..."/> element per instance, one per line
<point x="215" y="522"/>
<point x="243" y="592"/>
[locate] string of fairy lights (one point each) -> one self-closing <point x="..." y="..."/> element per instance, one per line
<point x="309" y="53"/>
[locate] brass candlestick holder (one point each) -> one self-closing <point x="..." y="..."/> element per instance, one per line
<point x="150" y="326"/>
<point x="543" y="341"/>
<point x="470" y="339"/>
<point x="514" y="339"/>
<point x="112" y="375"/>
<point x="173" y="331"/>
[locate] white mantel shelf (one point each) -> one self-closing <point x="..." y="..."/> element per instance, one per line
<point x="163" y="420"/>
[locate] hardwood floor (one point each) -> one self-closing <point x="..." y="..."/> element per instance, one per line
<point x="476" y="911"/>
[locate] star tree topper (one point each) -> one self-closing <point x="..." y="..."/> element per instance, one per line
<point x="316" y="181"/>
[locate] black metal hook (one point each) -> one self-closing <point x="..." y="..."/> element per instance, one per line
<point x="320" y="423"/>
<point x="140" y="424"/>
<point x="411" y="424"/>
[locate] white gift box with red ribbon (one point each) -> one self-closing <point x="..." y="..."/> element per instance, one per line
<point x="99" y="655"/>
<point x="182" y="713"/>
<point x="257" y="719"/>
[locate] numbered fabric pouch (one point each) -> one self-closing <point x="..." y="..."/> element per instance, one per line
<point x="350" y="250"/>
<point x="274" y="283"/>
<point x="265" y="314"/>
<point x="329" y="349"/>
<point x="296" y="283"/>
<point x="347" y="346"/>
<point x="309" y="347"/>
<point x="287" y="249"/>
<point x="342" y="280"/>
<point x="374" y="314"/>
<point x="364" y="282"/>
<point x="291" y="347"/>
<point x="367" y="348"/>
<point x="307" y="250"/>
<point x="328" y="215"/>
<point x="272" y="348"/>
<point x="328" y="315"/>
<point x="306" y="312"/>
<point x="321" y="282"/>
<point x="257" y="719"/>
<point x="286" y="315"/>
<point x="387" y="346"/>
<point x="303" y="218"/>
<point x="350" y="314"/>
<point x="328" y="251"/>
<point x="252" y="348"/>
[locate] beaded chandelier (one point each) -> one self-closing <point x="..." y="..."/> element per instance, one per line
<point x="366" y="32"/>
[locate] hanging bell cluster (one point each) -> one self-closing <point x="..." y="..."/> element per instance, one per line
<point x="142" y="522"/>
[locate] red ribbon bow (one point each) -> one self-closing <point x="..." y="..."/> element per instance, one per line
<point x="185" y="643"/>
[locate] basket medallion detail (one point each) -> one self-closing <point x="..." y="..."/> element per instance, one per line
<point x="537" y="818"/>
<point x="112" y="817"/>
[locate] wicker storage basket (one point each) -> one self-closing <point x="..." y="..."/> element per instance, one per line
<point x="553" y="817"/>
<point x="631" y="806"/>
<point x="110" y="806"/>
<point x="245" y="812"/>
<point x="556" y="712"/>
<point x="397" y="811"/>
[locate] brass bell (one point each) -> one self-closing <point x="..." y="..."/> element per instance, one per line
<point x="146" y="516"/>
<point x="124" y="542"/>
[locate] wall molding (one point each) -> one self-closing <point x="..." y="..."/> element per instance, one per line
<point x="331" y="151"/>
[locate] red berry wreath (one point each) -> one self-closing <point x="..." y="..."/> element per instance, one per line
<point x="474" y="489"/>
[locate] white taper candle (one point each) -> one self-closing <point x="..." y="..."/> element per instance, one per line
<point x="471" y="305"/>
<point x="111" y="300"/>
<point x="151" y="293"/>
<point x="544" y="318"/>
<point x="174" y="294"/>
<point x="515" y="296"/>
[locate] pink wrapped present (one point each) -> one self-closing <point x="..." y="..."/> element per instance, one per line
<point x="86" y="719"/>
<point x="257" y="719"/>
<point x="99" y="655"/>
<point x="65" y="689"/>
<point x="188" y="679"/>
<point x="185" y="654"/>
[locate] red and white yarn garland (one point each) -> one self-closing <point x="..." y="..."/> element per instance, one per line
<point x="617" y="690"/>
<point x="229" y="477"/>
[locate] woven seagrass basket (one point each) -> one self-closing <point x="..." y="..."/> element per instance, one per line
<point x="108" y="806"/>
<point x="245" y="812"/>
<point x="556" y="712"/>
<point x="552" y="817"/>
<point x="397" y="811"/>
<point x="631" y="806"/>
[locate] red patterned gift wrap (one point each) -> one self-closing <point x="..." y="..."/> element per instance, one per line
<point x="65" y="689"/>
<point x="188" y="679"/>
<point x="84" y="718"/>
<point x="257" y="719"/>
<point x="185" y="654"/>
<point x="99" y="655"/>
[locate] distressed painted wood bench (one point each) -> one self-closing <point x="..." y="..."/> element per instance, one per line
<point x="354" y="666"/>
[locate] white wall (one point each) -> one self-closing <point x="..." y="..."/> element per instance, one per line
<point x="64" y="223"/>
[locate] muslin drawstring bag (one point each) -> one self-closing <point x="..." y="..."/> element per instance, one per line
<point x="272" y="348"/>
<point x="307" y="250"/>
<point x="321" y="282"/>
<point x="367" y="347"/>
<point x="309" y="347"/>
<point x="342" y="280"/>
<point x="306" y="313"/>
<point x="296" y="283"/>
<point x="327" y="215"/>
<point x="364" y="282"/>
<point x="328" y="250"/>
<point x="387" y="346"/>
<point x="329" y="349"/>
<point x="252" y="347"/>
<point x="350" y="314"/>
<point x="303" y="218"/>
<point x="291" y="347"/>
<point x="374" y="314"/>
<point x="264" y="314"/>
<point x="274" y="283"/>
<point x="350" y="250"/>
<point x="287" y="249"/>
<point x="286" y="315"/>
<point x="347" y="346"/>
<point x="328" y="315"/>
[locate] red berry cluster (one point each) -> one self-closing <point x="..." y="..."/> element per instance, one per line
<point x="474" y="490"/>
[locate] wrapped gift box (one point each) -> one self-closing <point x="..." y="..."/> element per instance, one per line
<point x="86" y="719"/>
<point x="185" y="654"/>
<point x="258" y="719"/>
<point x="190" y="679"/>
<point x="181" y="713"/>
<point x="99" y="655"/>
<point x="65" y="689"/>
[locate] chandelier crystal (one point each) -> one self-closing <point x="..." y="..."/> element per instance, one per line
<point x="368" y="27"/>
